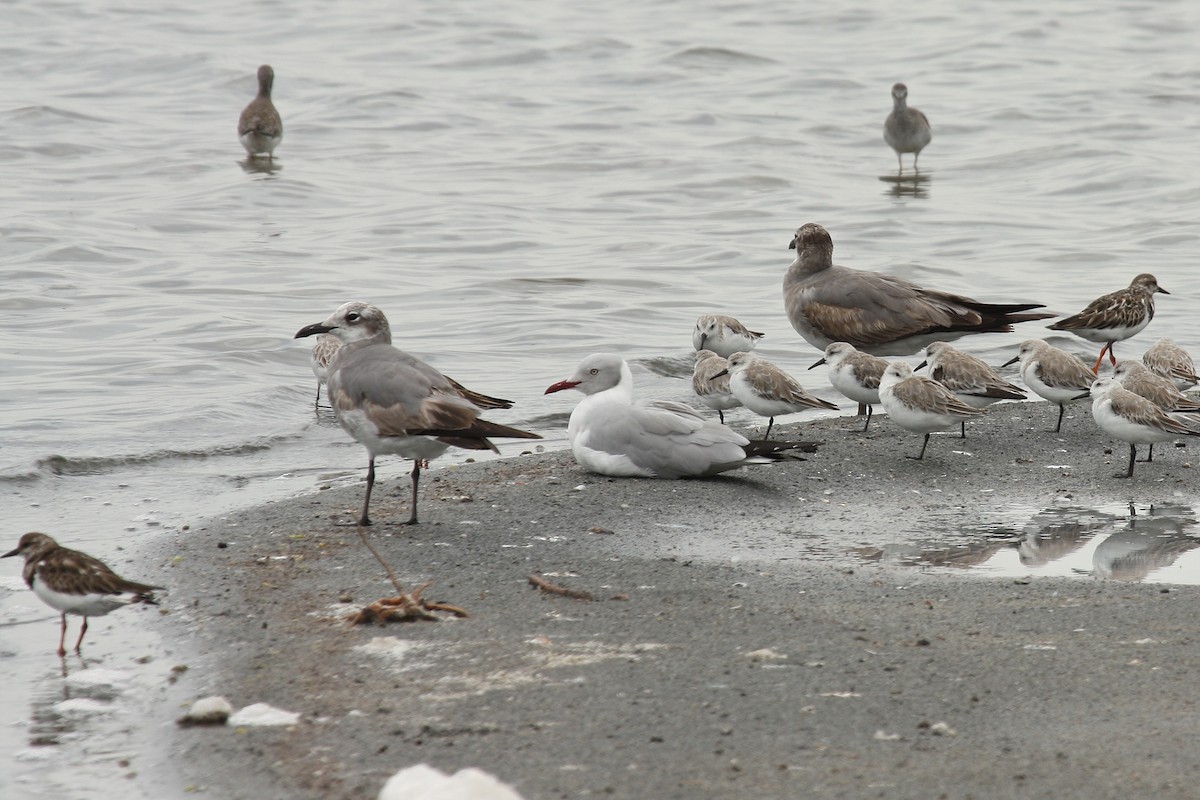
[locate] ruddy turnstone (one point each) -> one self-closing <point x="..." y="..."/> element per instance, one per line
<point x="723" y="335"/>
<point x="879" y="314"/>
<point x="855" y="374"/>
<point x="920" y="404"/>
<point x="713" y="391"/>
<point x="1171" y="361"/>
<point x="1132" y="418"/>
<point x="1054" y="374"/>
<point x="906" y="130"/>
<point x="1114" y="317"/>
<point x="612" y="435"/>
<point x="260" y="130"/>
<point x="394" y="403"/>
<point x="72" y="582"/>
<point x="971" y="380"/>
<point x="767" y="390"/>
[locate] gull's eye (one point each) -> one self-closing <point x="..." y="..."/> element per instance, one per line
<point x="353" y="316"/>
<point x="595" y="372"/>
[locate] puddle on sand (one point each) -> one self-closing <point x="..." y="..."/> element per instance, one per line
<point x="1124" y="542"/>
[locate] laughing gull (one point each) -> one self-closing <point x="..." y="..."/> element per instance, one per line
<point x="1132" y="418"/>
<point x="260" y="130"/>
<point x="855" y="374"/>
<point x="1114" y="317"/>
<point x="1054" y="374"/>
<point x="879" y="314"/>
<point x="919" y="404"/>
<point x="971" y="379"/>
<point x="1171" y="361"/>
<point x="723" y="335"/>
<point x="72" y="582"/>
<point x="612" y="435"/>
<point x="767" y="390"/>
<point x="393" y="403"/>
<point x="906" y="130"/>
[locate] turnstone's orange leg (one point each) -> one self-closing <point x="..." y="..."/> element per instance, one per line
<point x="62" y="637"/>
<point x="82" y="631"/>
<point x="1100" y="359"/>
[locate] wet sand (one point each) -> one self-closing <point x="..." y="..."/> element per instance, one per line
<point x="741" y="641"/>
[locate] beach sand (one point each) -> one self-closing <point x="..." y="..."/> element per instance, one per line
<point x="749" y="635"/>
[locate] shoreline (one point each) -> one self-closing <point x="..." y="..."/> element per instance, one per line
<point x="757" y="649"/>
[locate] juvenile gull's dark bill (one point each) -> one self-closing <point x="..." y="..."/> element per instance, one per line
<point x="919" y="404"/>
<point x="1133" y="419"/>
<point x="723" y="335"/>
<point x="906" y="130"/>
<point x="1114" y="317"/>
<point x="880" y="314"/>
<point x="855" y="374"/>
<point x="72" y="582"/>
<point x="260" y="129"/>
<point x="394" y="403"/>
<point x="767" y="390"/>
<point x="612" y="435"/>
<point x="1053" y="374"/>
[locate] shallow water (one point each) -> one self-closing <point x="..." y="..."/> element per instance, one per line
<point x="517" y="186"/>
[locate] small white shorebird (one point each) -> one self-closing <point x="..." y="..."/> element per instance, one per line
<point x="1137" y="378"/>
<point x="970" y="378"/>
<point x="906" y="130"/>
<point x="1114" y="317"/>
<point x="710" y="382"/>
<point x="879" y="314"/>
<point x="260" y="130"/>
<point x="1171" y="361"/>
<point x="72" y="582"/>
<point x="1053" y="374"/>
<point x="855" y="374"/>
<point x="723" y="335"/>
<point x="319" y="358"/>
<point x="767" y="390"/>
<point x="612" y="435"/>
<point x="1132" y="418"/>
<point x="394" y="403"/>
<point x="919" y="404"/>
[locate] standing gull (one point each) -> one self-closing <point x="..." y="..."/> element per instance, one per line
<point x="612" y="435"/>
<point x="710" y="382"/>
<point x="1171" y="361"/>
<point x="906" y="130"/>
<point x="1132" y="418"/>
<point x="919" y="404"/>
<point x="260" y="130"/>
<point x="723" y="335"/>
<point x="765" y="389"/>
<point x="879" y="314"/>
<point x="1114" y="317"/>
<point x="1054" y="374"/>
<point x="72" y="582"/>
<point x="971" y="380"/>
<point x="393" y="403"/>
<point x="855" y="374"/>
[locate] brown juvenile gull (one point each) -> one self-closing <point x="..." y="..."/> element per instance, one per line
<point x="612" y="435"/>
<point x="710" y="382"/>
<point x="971" y="380"/>
<point x="723" y="335"/>
<point x="394" y="403"/>
<point x="767" y="390"/>
<point x="1171" y="361"/>
<point x="260" y="130"/>
<point x="919" y="404"/>
<point x="1132" y="418"/>
<point x="1054" y="374"/>
<point x="855" y="374"/>
<point x="906" y="130"/>
<point x="879" y="314"/>
<point x="72" y="582"/>
<point x="1114" y="317"/>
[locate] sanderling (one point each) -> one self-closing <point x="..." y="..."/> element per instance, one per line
<point x="1171" y="361"/>
<point x="971" y="380"/>
<point x="1132" y="418"/>
<point x="713" y="391"/>
<point x="855" y="374"/>
<point x="1053" y="374"/>
<point x="723" y="335"/>
<point x="767" y="390"/>
<point x="920" y="404"/>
